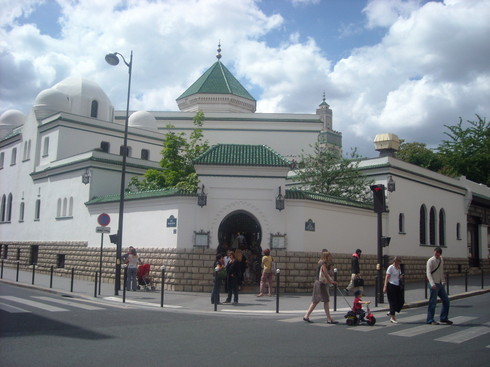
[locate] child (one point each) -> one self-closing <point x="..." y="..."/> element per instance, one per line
<point x="357" y="307"/>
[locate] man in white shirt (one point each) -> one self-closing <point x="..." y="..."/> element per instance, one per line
<point x="435" y="275"/>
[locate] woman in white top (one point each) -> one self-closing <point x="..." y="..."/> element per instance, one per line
<point x="393" y="289"/>
<point x="132" y="261"/>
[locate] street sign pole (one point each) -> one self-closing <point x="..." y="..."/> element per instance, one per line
<point x="100" y="263"/>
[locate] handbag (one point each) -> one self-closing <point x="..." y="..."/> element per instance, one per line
<point x="358" y="282"/>
<point x="322" y="277"/>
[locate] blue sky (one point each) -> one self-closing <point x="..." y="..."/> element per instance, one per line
<point x="399" y="66"/>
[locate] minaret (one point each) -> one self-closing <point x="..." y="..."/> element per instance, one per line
<point x="328" y="137"/>
<point x="325" y="114"/>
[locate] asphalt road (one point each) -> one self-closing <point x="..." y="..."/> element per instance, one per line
<point x="44" y="329"/>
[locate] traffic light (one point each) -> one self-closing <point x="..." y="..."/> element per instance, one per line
<point x="379" y="200"/>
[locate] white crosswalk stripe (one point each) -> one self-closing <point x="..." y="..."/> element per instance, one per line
<point x="423" y="329"/>
<point x="70" y="303"/>
<point x="11" y="309"/>
<point x="35" y="304"/>
<point x="465" y="335"/>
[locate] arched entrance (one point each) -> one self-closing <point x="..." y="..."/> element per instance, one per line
<point x="241" y="230"/>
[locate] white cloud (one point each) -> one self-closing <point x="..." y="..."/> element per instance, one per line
<point x="383" y="13"/>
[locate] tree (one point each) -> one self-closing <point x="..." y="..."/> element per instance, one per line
<point x="468" y="150"/>
<point x="325" y="171"/>
<point x="178" y="154"/>
<point x="419" y="154"/>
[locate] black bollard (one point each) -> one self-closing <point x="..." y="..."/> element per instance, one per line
<point x="376" y="292"/>
<point x="96" y="278"/>
<point x="278" y="272"/>
<point x="72" y="278"/>
<point x="124" y="283"/>
<point x="51" y="277"/>
<point x="33" y="272"/>
<point x="215" y="290"/>
<point x="426" y="286"/>
<point x="335" y="289"/>
<point x="482" y="277"/>
<point x="163" y="287"/>
<point x="1" y="275"/>
<point x="17" y="274"/>
<point x="466" y="280"/>
<point x="447" y="283"/>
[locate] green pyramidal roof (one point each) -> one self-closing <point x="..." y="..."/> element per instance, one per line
<point x="242" y="155"/>
<point x="217" y="80"/>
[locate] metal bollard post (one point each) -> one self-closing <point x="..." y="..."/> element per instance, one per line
<point x="51" y="277"/>
<point x="215" y="290"/>
<point x="124" y="282"/>
<point x="17" y="274"/>
<point x="482" y="278"/>
<point x="425" y="288"/>
<point x="163" y="287"/>
<point x="335" y="289"/>
<point x="33" y="272"/>
<point x="1" y="275"/>
<point x="96" y="278"/>
<point x="72" y="277"/>
<point x="466" y="280"/>
<point x="278" y="272"/>
<point x="447" y="283"/>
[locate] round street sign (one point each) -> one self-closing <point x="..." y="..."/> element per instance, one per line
<point x="104" y="219"/>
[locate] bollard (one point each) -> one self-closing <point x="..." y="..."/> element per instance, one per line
<point x="482" y="285"/>
<point x="17" y="274"/>
<point x="51" y="277"/>
<point x="466" y="280"/>
<point x="163" y="287"/>
<point x="72" y="277"/>
<point x="1" y="275"/>
<point x="426" y="286"/>
<point x="215" y="290"/>
<point x="125" y="279"/>
<point x="33" y="272"/>
<point x="96" y="278"/>
<point x="335" y="289"/>
<point x="278" y="272"/>
<point x="376" y="293"/>
<point x="447" y="283"/>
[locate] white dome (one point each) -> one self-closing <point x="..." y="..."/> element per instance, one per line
<point x="143" y="119"/>
<point x="49" y="102"/>
<point x="12" y="118"/>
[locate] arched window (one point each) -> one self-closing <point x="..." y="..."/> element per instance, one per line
<point x="128" y="150"/>
<point x="9" y="208"/>
<point x="432" y="226"/>
<point x="423" y="225"/>
<point x="145" y="154"/>
<point x="2" y="158"/>
<point x="94" y="109"/>
<point x="37" y="213"/>
<point x="65" y="205"/>
<point x="70" y="207"/>
<point x="442" y="228"/>
<point x="13" y="159"/>
<point x="58" y="208"/>
<point x="401" y="223"/>
<point x="21" y="212"/>
<point x="458" y="231"/>
<point x="3" y="208"/>
<point x="46" y="146"/>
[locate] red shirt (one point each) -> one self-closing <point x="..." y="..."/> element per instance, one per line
<point x="357" y="304"/>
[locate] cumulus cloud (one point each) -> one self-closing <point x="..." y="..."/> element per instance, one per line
<point x="430" y="67"/>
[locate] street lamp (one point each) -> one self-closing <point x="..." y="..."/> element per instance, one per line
<point x="113" y="59"/>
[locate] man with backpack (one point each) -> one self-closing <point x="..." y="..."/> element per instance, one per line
<point x="435" y="276"/>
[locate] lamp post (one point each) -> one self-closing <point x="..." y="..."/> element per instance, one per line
<point x="113" y="59"/>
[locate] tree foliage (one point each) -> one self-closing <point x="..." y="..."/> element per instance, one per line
<point x="467" y="152"/>
<point x="420" y="155"/>
<point x="325" y="171"/>
<point x="177" y="155"/>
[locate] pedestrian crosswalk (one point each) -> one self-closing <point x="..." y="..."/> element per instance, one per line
<point x="15" y="305"/>
<point x="465" y="328"/>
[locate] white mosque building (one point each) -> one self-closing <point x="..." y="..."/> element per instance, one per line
<point x="60" y="169"/>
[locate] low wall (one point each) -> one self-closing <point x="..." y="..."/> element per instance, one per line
<point x="190" y="270"/>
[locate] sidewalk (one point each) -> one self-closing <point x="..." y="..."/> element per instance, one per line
<point x="293" y="303"/>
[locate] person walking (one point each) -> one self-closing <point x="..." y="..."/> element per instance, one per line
<point x="266" y="278"/>
<point x="233" y="270"/>
<point x="355" y="271"/>
<point x="392" y="288"/>
<point x="132" y="262"/>
<point x="435" y="276"/>
<point x="320" y="290"/>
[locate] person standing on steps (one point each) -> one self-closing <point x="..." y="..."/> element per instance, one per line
<point x="435" y="276"/>
<point x="355" y="271"/>
<point x="266" y="278"/>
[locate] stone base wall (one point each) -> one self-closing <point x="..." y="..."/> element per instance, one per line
<point x="190" y="270"/>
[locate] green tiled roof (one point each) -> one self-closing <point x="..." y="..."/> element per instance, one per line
<point x="139" y="195"/>
<point x="309" y="195"/>
<point x="217" y="80"/>
<point x="242" y="155"/>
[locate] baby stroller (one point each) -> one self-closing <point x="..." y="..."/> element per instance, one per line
<point x="144" y="280"/>
<point x="352" y="318"/>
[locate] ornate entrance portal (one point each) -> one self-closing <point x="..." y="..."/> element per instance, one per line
<point x="241" y="230"/>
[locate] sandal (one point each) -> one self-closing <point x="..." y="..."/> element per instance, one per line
<point x="332" y="322"/>
<point x="307" y="320"/>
